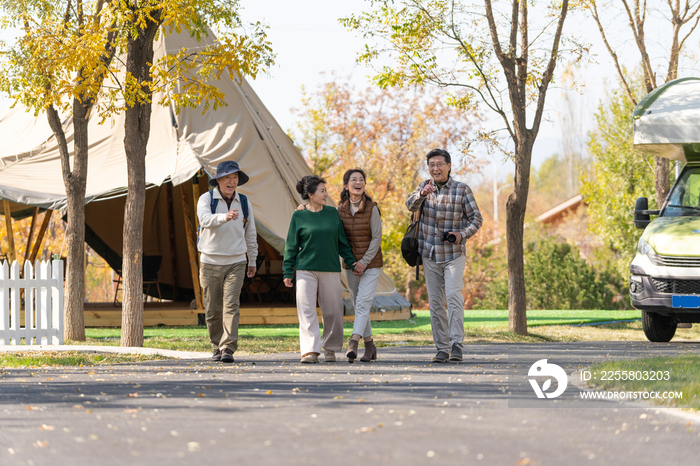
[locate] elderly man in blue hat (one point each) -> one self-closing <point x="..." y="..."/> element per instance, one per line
<point x="227" y="234"/>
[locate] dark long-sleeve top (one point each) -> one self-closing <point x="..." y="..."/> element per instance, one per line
<point x="314" y="242"/>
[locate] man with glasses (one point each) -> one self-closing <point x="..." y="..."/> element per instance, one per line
<point x="449" y="217"/>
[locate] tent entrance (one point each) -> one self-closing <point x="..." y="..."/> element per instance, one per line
<point x="168" y="239"/>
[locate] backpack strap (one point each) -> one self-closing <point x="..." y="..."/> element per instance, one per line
<point x="213" y="202"/>
<point x="244" y="206"/>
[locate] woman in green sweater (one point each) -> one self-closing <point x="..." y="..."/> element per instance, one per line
<point x="315" y="239"/>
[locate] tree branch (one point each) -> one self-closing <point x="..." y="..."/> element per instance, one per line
<point x="549" y="72"/>
<point x="594" y="12"/>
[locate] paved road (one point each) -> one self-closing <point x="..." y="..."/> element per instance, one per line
<point x="272" y="410"/>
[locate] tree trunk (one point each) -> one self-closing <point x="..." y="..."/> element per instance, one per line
<point x="136" y="132"/>
<point x="75" y="230"/>
<point x="75" y="181"/>
<point x="515" y="221"/>
<point x="663" y="180"/>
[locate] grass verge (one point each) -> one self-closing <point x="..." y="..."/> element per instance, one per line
<point x="68" y="358"/>
<point x="683" y="376"/>
<point x="480" y="327"/>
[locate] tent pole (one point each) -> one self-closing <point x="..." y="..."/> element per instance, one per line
<point x="195" y="196"/>
<point x="31" y="233"/>
<point x="191" y="250"/>
<point x="40" y="235"/>
<point x="10" y="231"/>
<point x="171" y="231"/>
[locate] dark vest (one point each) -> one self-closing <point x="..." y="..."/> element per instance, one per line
<point x="358" y="230"/>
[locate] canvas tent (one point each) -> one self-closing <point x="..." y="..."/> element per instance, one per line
<point x="666" y="121"/>
<point x="183" y="147"/>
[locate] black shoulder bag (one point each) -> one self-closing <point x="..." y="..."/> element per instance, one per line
<point x="409" y="243"/>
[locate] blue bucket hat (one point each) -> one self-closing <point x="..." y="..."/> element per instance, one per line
<point x="226" y="168"/>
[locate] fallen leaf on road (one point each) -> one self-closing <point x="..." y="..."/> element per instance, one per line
<point x="193" y="446"/>
<point x="45" y="427"/>
<point x="526" y="462"/>
<point x="131" y="411"/>
<point x="363" y="430"/>
<point x="41" y="444"/>
<point x="32" y="407"/>
<point x="11" y="451"/>
<point x="133" y="395"/>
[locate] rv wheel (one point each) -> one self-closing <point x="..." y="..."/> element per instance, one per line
<point x="658" y="328"/>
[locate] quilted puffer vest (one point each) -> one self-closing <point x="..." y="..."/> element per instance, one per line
<point x="358" y="230"/>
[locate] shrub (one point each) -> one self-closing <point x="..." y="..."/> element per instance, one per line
<point x="557" y="277"/>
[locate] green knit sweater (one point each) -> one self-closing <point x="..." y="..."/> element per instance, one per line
<point x="314" y="242"/>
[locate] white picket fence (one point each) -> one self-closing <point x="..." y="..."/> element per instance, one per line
<point x="43" y="303"/>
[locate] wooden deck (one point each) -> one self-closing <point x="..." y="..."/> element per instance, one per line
<point x="173" y="314"/>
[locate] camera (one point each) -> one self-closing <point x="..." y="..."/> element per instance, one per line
<point x="449" y="237"/>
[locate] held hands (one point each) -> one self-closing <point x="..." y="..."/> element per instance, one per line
<point x="288" y="282"/>
<point x="301" y="207"/>
<point x="251" y="271"/>
<point x="359" y="268"/>
<point x="232" y="215"/>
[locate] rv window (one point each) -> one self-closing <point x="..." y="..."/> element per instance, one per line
<point x="684" y="200"/>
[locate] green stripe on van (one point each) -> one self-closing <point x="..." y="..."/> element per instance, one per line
<point x="651" y="97"/>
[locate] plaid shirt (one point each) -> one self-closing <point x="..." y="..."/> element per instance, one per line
<point x="452" y="208"/>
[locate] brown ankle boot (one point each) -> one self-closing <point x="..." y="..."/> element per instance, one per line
<point x="370" y="353"/>
<point x="352" y="350"/>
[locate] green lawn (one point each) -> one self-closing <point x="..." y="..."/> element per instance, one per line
<point x="480" y="326"/>
<point x="420" y="323"/>
<point x="68" y="358"/>
<point x="683" y="373"/>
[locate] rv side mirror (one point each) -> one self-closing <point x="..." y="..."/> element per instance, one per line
<point x="642" y="212"/>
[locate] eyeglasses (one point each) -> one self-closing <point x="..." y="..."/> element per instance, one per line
<point x="436" y="165"/>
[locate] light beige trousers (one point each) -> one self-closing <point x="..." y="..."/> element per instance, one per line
<point x="221" y="293"/>
<point x="325" y="285"/>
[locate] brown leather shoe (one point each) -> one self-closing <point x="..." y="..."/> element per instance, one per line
<point x="370" y="353"/>
<point x="352" y="350"/>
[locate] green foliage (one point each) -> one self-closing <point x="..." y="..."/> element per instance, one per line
<point x="556" y="277"/>
<point x="620" y="175"/>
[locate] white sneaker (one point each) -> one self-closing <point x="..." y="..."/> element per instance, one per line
<point x="329" y="356"/>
